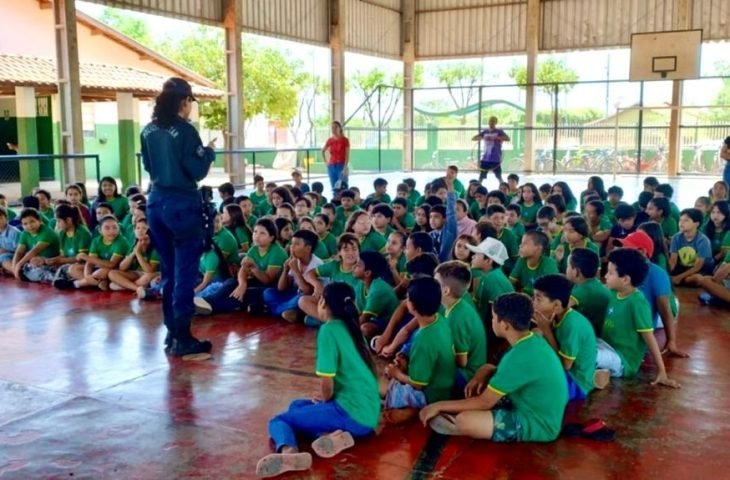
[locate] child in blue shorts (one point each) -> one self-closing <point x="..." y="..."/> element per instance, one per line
<point x="9" y="236"/>
<point x="348" y="403"/>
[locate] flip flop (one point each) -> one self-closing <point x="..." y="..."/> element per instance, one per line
<point x="278" y="463"/>
<point x="327" y="446"/>
<point x="444" y="424"/>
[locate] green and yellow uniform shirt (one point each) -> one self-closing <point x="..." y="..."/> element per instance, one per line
<point x="45" y="236"/>
<point x="567" y="249"/>
<point x="210" y="263"/>
<point x="489" y="287"/>
<point x="243" y="237"/>
<point x="228" y="245"/>
<point x="260" y="202"/>
<point x="467" y="330"/>
<point x="526" y="275"/>
<point x="384" y="198"/>
<point x="330" y="242"/>
<point x="120" y="207"/>
<point x="273" y="257"/>
<point x="626" y="319"/>
<point x="355" y="386"/>
<point x="379" y="300"/>
<point x="533" y="378"/>
<point x="519" y="230"/>
<point x="79" y="242"/>
<point x="432" y="364"/>
<point x="591" y="298"/>
<point x="577" y="342"/>
<point x="150" y="256"/>
<point x="333" y="271"/>
<point x="107" y="251"/>
<point x="373" y="242"/>
<point x="669" y="227"/>
<point x="529" y="213"/>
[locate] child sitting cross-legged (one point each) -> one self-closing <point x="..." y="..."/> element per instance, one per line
<point x="629" y="328"/>
<point x="347" y="405"/>
<point x="36" y="243"/>
<point x="9" y="236"/>
<point x="520" y="400"/>
<point x="428" y="374"/>
<point x="137" y="270"/>
<point x="589" y="296"/>
<point x="467" y="328"/>
<point x="570" y="334"/>
<point x="690" y="251"/>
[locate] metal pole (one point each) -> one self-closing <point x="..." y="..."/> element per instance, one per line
<point x="641" y="128"/>
<point x="98" y="168"/>
<point x="615" y="143"/>
<point x="555" y="131"/>
<point x="479" y="120"/>
<point x="380" y="134"/>
<point x="253" y="159"/>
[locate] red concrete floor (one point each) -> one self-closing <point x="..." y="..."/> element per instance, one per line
<point x="87" y="392"/>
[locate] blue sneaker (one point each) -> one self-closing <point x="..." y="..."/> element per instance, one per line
<point x="312" y="322"/>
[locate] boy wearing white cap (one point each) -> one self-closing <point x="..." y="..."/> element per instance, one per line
<point x="489" y="257"/>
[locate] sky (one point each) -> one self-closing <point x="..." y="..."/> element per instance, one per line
<point x="590" y="65"/>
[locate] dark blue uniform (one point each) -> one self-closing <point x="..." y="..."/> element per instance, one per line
<point x="176" y="160"/>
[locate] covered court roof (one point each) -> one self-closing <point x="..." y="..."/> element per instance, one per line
<point x="452" y="28"/>
<point x="98" y="81"/>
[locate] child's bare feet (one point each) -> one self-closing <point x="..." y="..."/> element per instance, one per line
<point x="278" y="463"/>
<point x="327" y="446"/>
<point x="601" y="378"/>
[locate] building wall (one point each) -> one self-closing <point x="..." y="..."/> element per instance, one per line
<point x="25" y="20"/>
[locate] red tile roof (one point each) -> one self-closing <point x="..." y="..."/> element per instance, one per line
<point x="18" y="70"/>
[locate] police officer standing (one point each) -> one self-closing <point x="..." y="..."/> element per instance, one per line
<point x="176" y="160"/>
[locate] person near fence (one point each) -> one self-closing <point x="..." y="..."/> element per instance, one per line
<point x="338" y="147"/>
<point x="176" y="160"/>
<point x="491" y="160"/>
<point x="725" y="155"/>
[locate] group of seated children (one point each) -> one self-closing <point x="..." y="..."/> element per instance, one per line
<point x="493" y="309"/>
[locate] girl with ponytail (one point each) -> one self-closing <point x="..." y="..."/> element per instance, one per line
<point x="348" y="403"/>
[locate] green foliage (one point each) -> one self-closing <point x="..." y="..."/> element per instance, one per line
<point x="550" y="71"/>
<point x="720" y="115"/>
<point x="574" y="116"/>
<point x="129" y="25"/>
<point x="376" y="86"/>
<point x="462" y="82"/>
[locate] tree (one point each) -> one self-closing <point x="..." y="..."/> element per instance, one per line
<point x="462" y="81"/>
<point x="313" y="88"/>
<point x="131" y="26"/>
<point x="375" y="86"/>
<point x="271" y="81"/>
<point x="721" y="115"/>
<point x="552" y="71"/>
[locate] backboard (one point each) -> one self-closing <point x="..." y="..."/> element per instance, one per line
<point x="671" y="55"/>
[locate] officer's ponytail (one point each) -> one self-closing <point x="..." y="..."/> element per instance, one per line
<point x="167" y="106"/>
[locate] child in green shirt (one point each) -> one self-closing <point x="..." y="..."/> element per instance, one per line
<point x="659" y="211"/>
<point x="403" y="221"/>
<point x="467" y="328"/>
<point x="36" y="243"/>
<point x="533" y="262"/>
<point x="514" y="222"/>
<point x="376" y="299"/>
<point x="569" y="333"/>
<point x="361" y="226"/>
<point x="628" y="330"/>
<point x="259" y="198"/>
<point x="428" y="374"/>
<point x="347" y="404"/>
<point x="489" y="256"/>
<point x="496" y="215"/>
<point x="529" y="375"/>
<point x="340" y="270"/>
<point x="575" y="235"/>
<point x="322" y="228"/>
<point x="137" y="270"/>
<point x="589" y="296"/>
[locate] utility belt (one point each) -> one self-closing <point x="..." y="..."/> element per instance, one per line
<point x="208" y="212"/>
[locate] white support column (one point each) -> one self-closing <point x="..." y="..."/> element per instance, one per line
<point x="337" y="51"/>
<point x="682" y="21"/>
<point x="232" y="22"/>
<point x="408" y="49"/>
<point x="532" y="44"/>
<point x="69" y="86"/>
